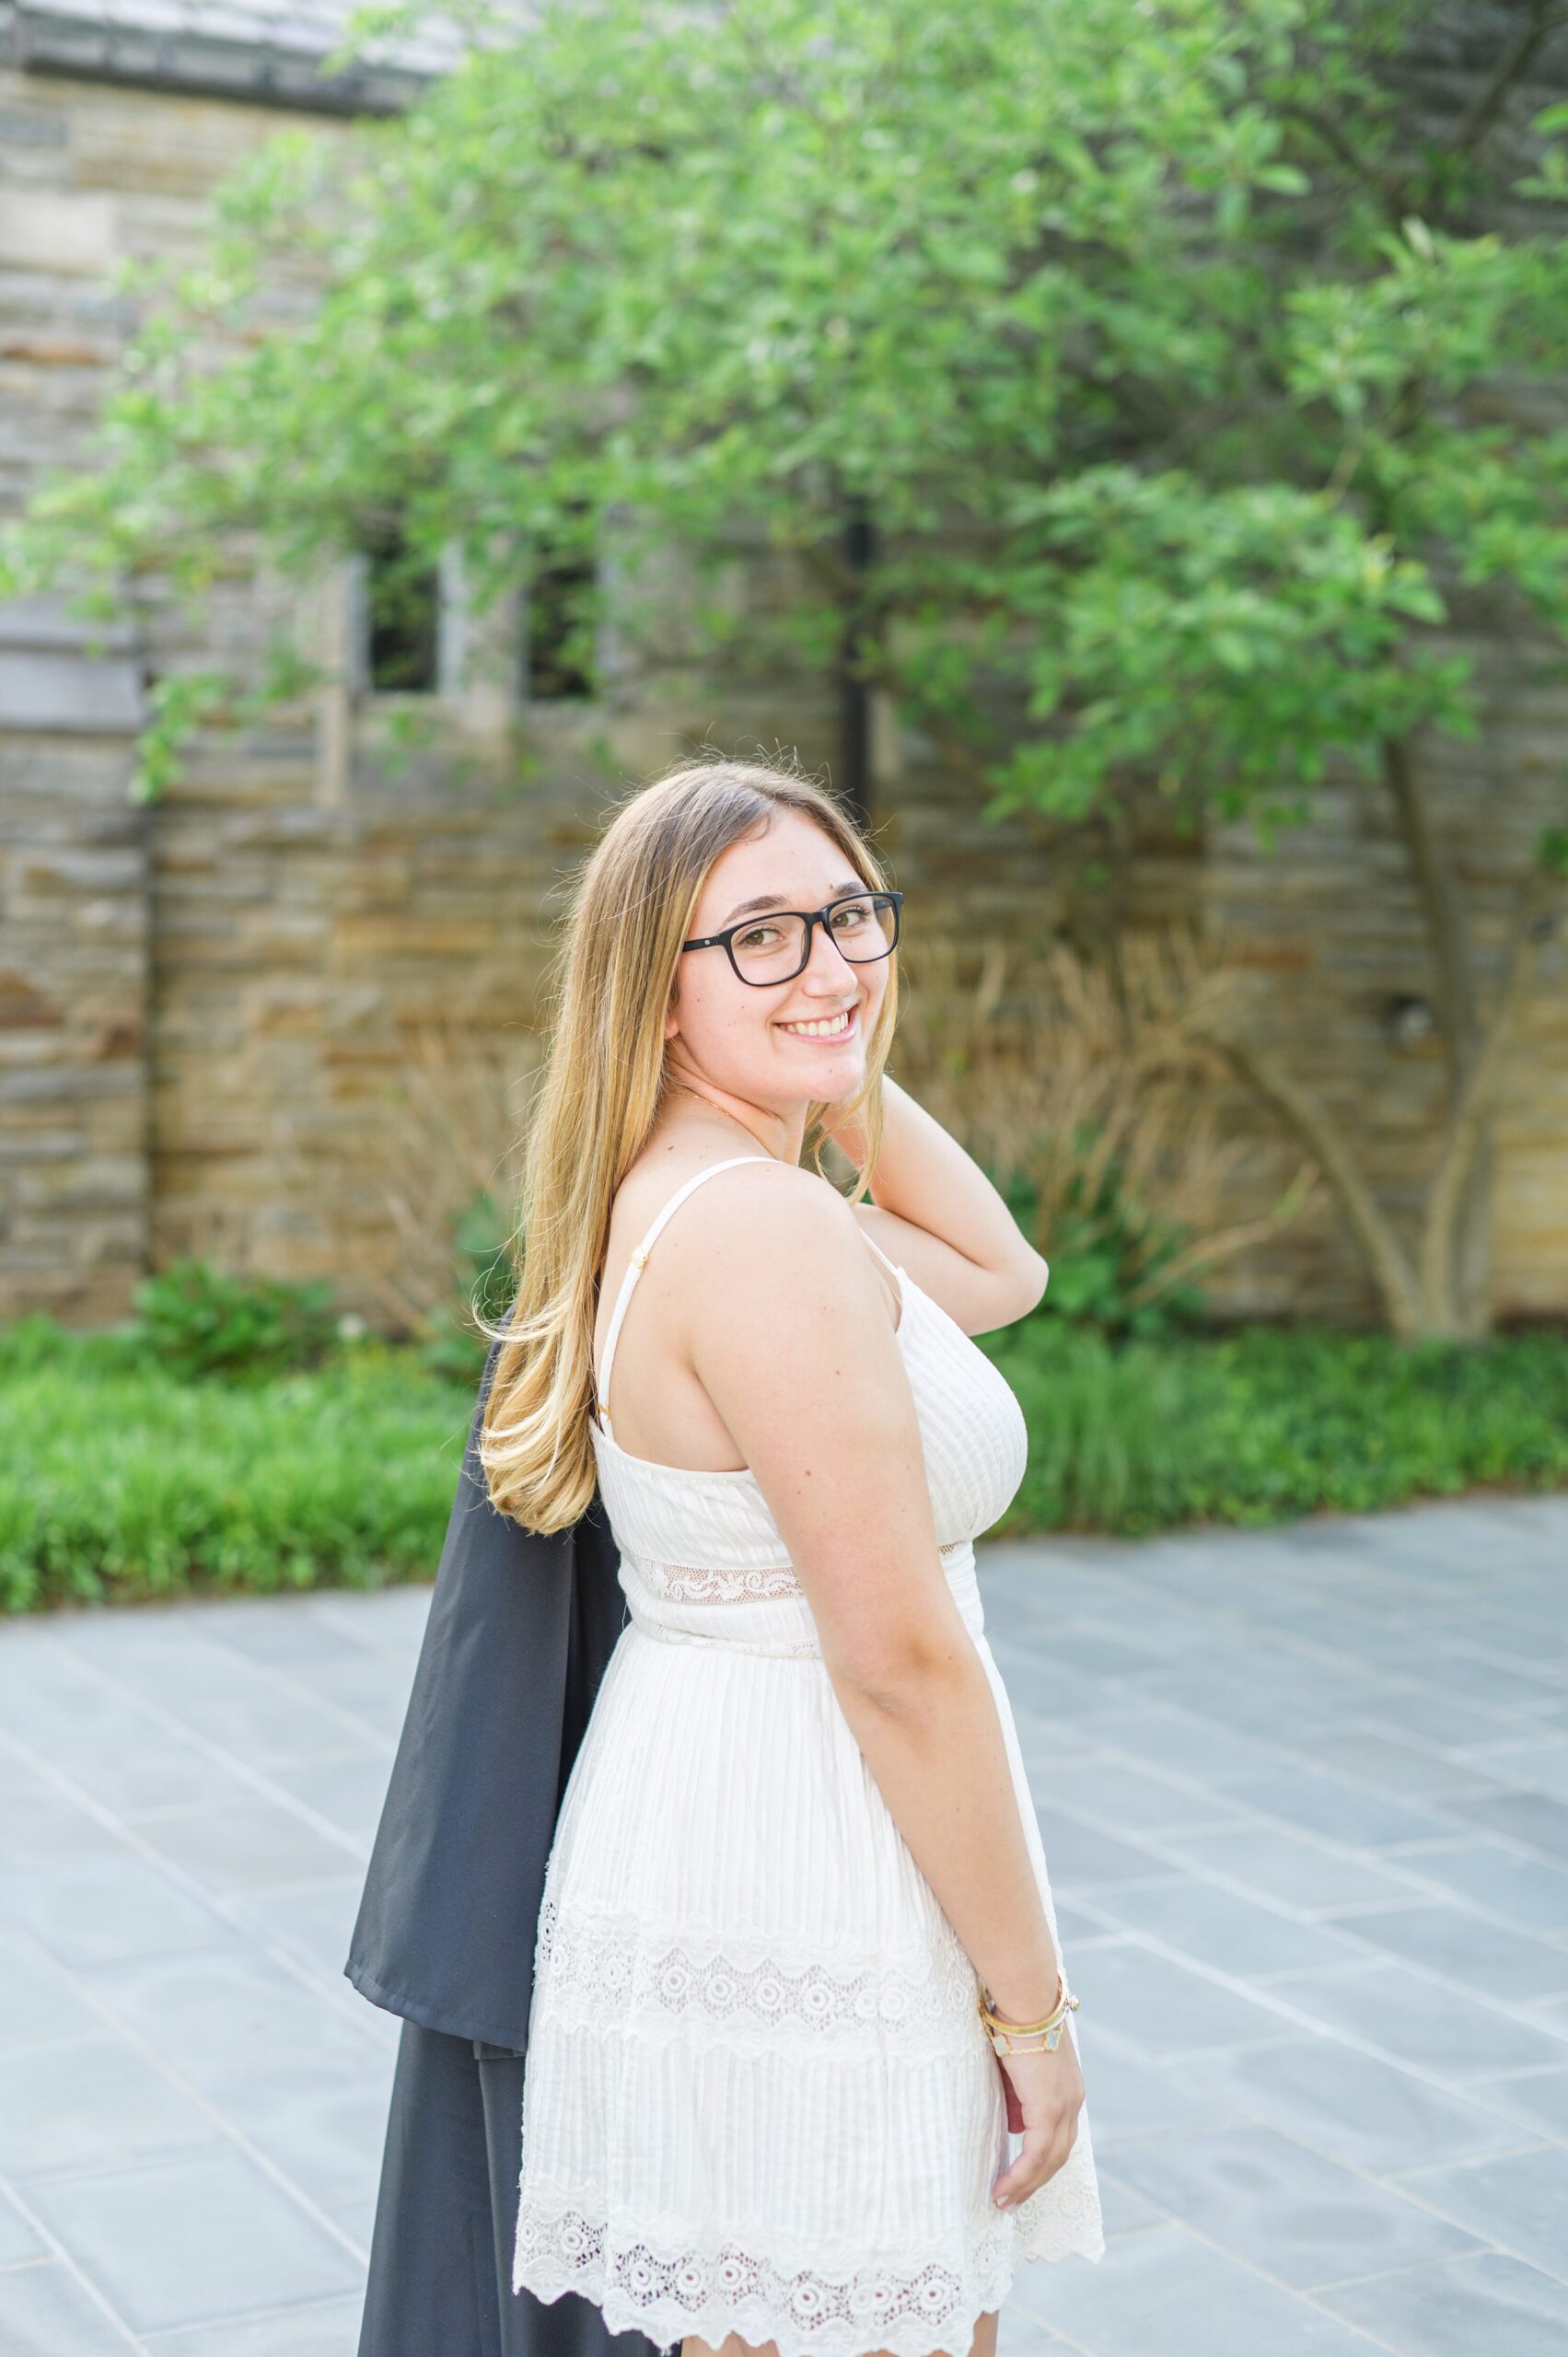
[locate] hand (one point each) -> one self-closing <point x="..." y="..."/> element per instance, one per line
<point x="1045" y="2094"/>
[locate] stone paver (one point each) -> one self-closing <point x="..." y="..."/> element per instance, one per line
<point x="1299" y="1789"/>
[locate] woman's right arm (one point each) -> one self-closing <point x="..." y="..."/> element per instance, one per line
<point x="789" y="1334"/>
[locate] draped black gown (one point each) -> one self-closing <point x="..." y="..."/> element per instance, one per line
<point x="519" y="1632"/>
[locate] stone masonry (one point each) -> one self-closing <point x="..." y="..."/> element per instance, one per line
<point x="208" y="1004"/>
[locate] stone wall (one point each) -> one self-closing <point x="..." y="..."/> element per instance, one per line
<point x="209" y="1008"/>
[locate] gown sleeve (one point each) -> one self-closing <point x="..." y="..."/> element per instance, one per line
<point x="520" y="1630"/>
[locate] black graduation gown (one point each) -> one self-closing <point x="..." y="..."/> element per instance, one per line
<point x="520" y="1630"/>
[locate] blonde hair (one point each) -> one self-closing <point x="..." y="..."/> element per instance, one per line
<point x="600" y="1092"/>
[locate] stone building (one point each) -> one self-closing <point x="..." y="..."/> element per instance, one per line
<point x="210" y="1005"/>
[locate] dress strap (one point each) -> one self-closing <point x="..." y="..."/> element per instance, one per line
<point x="635" y="1266"/>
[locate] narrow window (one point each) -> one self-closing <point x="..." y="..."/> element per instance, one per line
<point x="403" y="596"/>
<point x="560" y="626"/>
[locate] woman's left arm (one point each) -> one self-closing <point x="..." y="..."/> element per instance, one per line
<point x="934" y="1211"/>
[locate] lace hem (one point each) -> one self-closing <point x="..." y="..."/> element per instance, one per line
<point x="914" y="2310"/>
<point x="602" y="1969"/>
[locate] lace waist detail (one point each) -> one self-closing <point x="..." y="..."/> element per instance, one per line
<point x="759" y="1608"/>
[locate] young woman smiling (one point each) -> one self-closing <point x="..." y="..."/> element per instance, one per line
<point x="797" y="1893"/>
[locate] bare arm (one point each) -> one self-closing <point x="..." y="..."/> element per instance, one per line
<point x="791" y="1339"/>
<point x="934" y="1211"/>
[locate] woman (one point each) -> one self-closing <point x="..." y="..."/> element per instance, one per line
<point x="795" y="1855"/>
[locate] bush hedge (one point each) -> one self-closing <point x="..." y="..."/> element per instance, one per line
<point x="120" y="1479"/>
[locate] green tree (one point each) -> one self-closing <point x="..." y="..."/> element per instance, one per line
<point x="1143" y="348"/>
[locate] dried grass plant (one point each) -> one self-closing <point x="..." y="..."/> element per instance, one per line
<point x="1055" y="1068"/>
<point x="453" y="1126"/>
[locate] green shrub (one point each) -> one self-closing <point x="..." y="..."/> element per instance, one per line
<point x="1112" y="1258"/>
<point x="120" y="1479"/>
<point x="1264" y="1423"/>
<point x="196" y="1321"/>
<point x="452" y="1345"/>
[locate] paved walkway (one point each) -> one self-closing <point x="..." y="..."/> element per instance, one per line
<point x="1300" y="1792"/>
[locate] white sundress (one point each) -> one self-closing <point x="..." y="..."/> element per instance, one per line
<point x="757" y="2097"/>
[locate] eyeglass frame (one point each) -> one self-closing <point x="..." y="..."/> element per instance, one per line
<point x="809" y="917"/>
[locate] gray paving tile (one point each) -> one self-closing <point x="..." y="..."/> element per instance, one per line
<point x="1018" y="2335"/>
<point x="1490" y="2307"/>
<point x="211" y="1690"/>
<point x="95" y="2103"/>
<point x="1385" y="2003"/>
<point x="321" y="2329"/>
<point x="281" y="1631"/>
<point x="1163" y="2009"/>
<point x="1465" y="1947"/>
<point x="211" y="2015"/>
<point x="1285" y="2209"/>
<point x="46" y="2312"/>
<point x="1218" y="1927"/>
<point x="1536" y="1819"/>
<point x="104" y="1910"/>
<point x="346" y="1791"/>
<point x="1518" y="2200"/>
<point x="249" y="1847"/>
<point x="321" y="2123"/>
<point x="368" y="1685"/>
<point x="1392" y="1764"/>
<point x="1441" y="1720"/>
<point x="18" y="2241"/>
<point x="1537" y="1761"/>
<point x="1165" y="2291"/>
<point x="315" y="1924"/>
<point x="1538" y="2097"/>
<point x="37" y="2008"/>
<point x="1082" y="1856"/>
<point x="1350" y="2106"/>
<point x="1128" y="1799"/>
<point x="1473" y="1679"/>
<point x="1520" y="1887"/>
<point x="1278" y="1865"/>
<point x="194" y="2240"/>
<point x="45" y="1825"/>
<point x="1122" y="2211"/>
<point x="1129" y="2095"/>
<point x="1338" y="1811"/>
<point x="1189" y="1746"/>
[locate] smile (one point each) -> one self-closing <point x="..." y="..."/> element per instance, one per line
<point x="823" y="1026"/>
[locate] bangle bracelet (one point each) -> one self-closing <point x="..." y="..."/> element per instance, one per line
<point x="1042" y="2036"/>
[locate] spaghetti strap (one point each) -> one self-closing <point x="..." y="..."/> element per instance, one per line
<point x="635" y="1266"/>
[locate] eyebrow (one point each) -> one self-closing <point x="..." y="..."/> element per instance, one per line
<point x="775" y="899"/>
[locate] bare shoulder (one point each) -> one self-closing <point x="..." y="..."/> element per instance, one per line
<point x="777" y="1229"/>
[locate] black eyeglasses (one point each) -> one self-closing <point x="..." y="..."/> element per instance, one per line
<point x="863" y="926"/>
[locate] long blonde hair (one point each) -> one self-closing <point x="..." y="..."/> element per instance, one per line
<point x="600" y="1092"/>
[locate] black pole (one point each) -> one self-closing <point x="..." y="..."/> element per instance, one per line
<point x="854" y="695"/>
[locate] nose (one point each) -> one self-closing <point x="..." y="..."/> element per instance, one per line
<point x="826" y="963"/>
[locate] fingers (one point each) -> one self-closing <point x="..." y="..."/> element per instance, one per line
<point x="1045" y="2149"/>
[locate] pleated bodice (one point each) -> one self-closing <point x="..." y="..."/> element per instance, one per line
<point x="701" y="1557"/>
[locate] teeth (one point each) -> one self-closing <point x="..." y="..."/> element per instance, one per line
<point x="822" y="1029"/>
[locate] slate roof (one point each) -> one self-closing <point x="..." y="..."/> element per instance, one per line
<point x="263" y="53"/>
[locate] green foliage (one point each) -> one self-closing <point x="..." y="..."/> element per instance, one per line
<point x="1266" y="1423"/>
<point x="121" y="1481"/>
<point x="198" y="1321"/>
<point x="1158" y="349"/>
<point x="1111" y="1260"/>
<point x="482" y="1239"/>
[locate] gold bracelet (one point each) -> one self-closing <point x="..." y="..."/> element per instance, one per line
<point x="1006" y="2037"/>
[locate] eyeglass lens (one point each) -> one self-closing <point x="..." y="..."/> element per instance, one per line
<point x="773" y="948"/>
